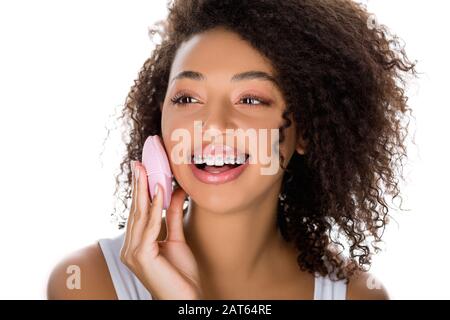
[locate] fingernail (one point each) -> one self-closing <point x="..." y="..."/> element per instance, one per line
<point x="156" y="190"/>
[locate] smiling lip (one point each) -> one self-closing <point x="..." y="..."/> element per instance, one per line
<point x="218" y="178"/>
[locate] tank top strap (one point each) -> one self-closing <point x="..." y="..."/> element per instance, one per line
<point x="327" y="289"/>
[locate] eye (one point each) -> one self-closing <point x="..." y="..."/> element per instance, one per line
<point x="178" y="99"/>
<point x="261" y="102"/>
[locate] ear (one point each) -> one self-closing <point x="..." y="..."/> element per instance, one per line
<point x="301" y="146"/>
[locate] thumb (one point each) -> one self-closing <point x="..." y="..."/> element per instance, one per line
<point x="174" y="216"/>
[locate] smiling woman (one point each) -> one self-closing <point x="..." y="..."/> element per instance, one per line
<point x="312" y="70"/>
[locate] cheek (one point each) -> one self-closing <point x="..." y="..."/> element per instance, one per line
<point x="176" y="133"/>
<point x="166" y="124"/>
<point x="269" y="134"/>
<point x="173" y="126"/>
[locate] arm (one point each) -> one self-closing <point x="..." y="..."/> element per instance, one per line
<point x="95" y="280"/>
<point x="365" y="286"/>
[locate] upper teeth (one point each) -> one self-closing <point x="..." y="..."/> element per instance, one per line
<point x="219" y="160"/>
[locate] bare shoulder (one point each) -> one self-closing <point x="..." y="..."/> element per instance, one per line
<point x="81" y="275"/>
<point x="365" y="286"/>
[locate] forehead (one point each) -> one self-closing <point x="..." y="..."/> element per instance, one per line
<point x="219" y="52"/>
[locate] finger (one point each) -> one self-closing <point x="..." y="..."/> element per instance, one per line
<point x="143" y="199"/>
<point x="132" y="209"/>
<point x="174" y="216"/>
<point x="153" y="227"/>
<point x="142" y="207"/>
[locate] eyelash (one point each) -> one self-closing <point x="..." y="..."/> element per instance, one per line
<point x="175" y="100"/>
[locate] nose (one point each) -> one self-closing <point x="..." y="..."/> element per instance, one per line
<point x="217" y="117"/>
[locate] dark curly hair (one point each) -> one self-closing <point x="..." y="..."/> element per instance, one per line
<point x="343" y="80"/>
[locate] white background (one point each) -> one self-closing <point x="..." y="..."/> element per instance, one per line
<point x="66" y="68"/>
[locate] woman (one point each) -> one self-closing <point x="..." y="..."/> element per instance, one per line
<point x="331" y="81"/>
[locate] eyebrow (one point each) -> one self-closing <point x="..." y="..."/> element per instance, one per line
<point x="248" y="75"/>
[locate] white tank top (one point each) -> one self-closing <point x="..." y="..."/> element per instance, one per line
<point x="128" y="286"/>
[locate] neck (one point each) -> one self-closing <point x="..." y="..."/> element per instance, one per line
<point x="240" y="246"/>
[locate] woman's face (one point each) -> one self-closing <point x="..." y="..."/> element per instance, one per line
<point x="222" y="104"/>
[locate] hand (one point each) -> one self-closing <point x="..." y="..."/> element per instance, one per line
<point x="166" y="268"/>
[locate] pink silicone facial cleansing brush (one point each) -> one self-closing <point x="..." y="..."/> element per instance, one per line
<point x="154" y="159"/>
